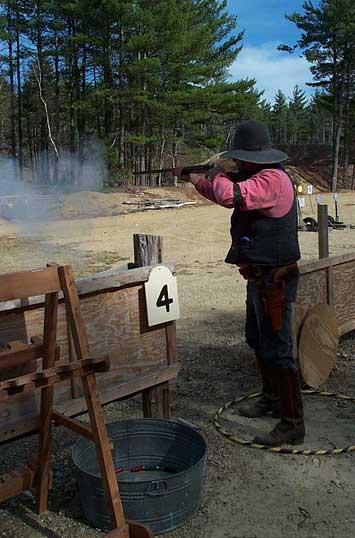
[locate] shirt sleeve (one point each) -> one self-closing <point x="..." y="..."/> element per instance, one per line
<point x="219" y="190"/>
<point x="261" y="191"/>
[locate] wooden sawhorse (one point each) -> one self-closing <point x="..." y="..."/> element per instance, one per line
<point x="36" y="474"/>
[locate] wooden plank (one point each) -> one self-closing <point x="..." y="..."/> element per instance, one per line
<point x="22" y="416"/>
<point x="57" y="374"/>
<point x="76" y="385"/>
<point x="77" y="324"/>
<point x="93" y="402"/>
<point x="74" y="425"/>
<point x="344" y="293"/>
<point x="45" y="437"/>
<point x="123" y="390"/>
<point x="103" y="449"/>
<point x="97" y="284"/>
<point x="15" y="482"/>
<point x="117" y="279"/>
<point x="24" y="284"/>
<point x="309" y="267"/>
<point x="13" y="327"/>
<point x="346" y="328"/>
<point x="312" y="290"/>
<point x="20" y="353"/>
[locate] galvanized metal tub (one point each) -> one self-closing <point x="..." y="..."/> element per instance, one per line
<point x="165" y="498"/>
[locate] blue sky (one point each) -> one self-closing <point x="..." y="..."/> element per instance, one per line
<point x="266" y="27"/>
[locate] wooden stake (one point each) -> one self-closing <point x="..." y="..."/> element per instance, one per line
<point x="323" y="238"/>
<point x="148" y="250"/>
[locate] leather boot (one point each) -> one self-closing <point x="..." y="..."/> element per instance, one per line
<point x="290" y="430"/>
<point x="268" y="402"/>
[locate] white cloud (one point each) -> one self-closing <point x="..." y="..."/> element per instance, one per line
<point x="273" y="70"/>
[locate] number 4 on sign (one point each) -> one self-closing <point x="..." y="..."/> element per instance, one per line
<point x="161" y="296"/>
<point x="164" y="299"/>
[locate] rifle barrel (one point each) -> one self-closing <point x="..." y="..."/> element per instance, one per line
<point x="194" y="169"/>
<point x="157" y="171"/>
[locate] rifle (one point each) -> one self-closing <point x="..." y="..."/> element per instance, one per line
<point x="186" y="170"/>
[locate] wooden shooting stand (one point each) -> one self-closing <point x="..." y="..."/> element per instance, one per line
<point x="36" y="474"/>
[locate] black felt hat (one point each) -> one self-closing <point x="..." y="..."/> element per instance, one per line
<point x="252" y="143"/>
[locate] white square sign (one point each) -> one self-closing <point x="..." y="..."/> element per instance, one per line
<point x="301" y="201"/>
<point x="161" y="295"/>
<point x="309" y="189"/>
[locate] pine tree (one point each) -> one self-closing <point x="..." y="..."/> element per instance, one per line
<point x="297" y="117"/>
<point x="279" y="117"/>
<point x="149" y="78"/>
<point x="328" y="41"/>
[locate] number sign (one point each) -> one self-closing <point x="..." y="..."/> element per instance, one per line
<point x="161" y="296"/>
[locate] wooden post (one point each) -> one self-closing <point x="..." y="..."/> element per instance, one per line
<point x="323" y="239"/>
<point x="148" y="250"/>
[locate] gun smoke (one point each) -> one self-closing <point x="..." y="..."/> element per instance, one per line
<point x="33" y="197"/>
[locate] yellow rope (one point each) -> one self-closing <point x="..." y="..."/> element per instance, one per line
<point x="282" y="450"/>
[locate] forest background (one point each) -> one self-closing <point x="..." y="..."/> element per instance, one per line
<point x="145" y="84"/>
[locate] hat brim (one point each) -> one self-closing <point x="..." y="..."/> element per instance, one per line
<point x="267" y="156"/>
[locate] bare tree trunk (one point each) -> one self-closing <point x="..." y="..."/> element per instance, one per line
<point x="336" y="148"/>
<point x="19" y="96"/>
<point x="45" y="155"/>
<point x="345" y="159"/>
<point x="13" y="143"/>
<point x="161" y="159"/>
<point x="338" y="123"/>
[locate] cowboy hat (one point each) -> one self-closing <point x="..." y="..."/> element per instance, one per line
<point x="252" y="143"/>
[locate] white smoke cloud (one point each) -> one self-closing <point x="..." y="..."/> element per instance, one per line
<point x="272" y="69"/>
<point x="28" y="200"/>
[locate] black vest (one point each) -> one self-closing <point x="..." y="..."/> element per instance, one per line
<point x="261" y="240"/>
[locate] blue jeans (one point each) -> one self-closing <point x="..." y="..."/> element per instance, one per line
<point x="273" y="347"/>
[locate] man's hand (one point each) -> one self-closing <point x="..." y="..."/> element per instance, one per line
<point x="211" y="174"/>
<point x="183" y="177"/>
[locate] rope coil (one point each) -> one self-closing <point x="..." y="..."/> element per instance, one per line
<point x="283" y="450"/>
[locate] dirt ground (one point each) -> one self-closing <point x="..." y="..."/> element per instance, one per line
<point x="247" y="493"/>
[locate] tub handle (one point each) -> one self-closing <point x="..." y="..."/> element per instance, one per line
<point x="156" y="488"/>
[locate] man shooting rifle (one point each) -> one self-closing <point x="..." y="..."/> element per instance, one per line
<point x="265" y="248"/>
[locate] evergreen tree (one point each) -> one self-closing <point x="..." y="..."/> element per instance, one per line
<point x="279" y="117"/>
<point x="328" y="41"/>
<point x="297" y="117"/>
<point x="147" y="77"/>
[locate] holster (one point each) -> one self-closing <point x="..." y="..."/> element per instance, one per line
<point x="274" y="300"/>
<point x="272" y="283"/>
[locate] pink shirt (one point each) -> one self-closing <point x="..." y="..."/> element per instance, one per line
<point x="270" y="191"/>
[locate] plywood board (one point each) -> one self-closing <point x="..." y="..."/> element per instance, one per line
<point x="312" y="290"/>
<point x="116" y="324"/>
<point x="344" y="293"/>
